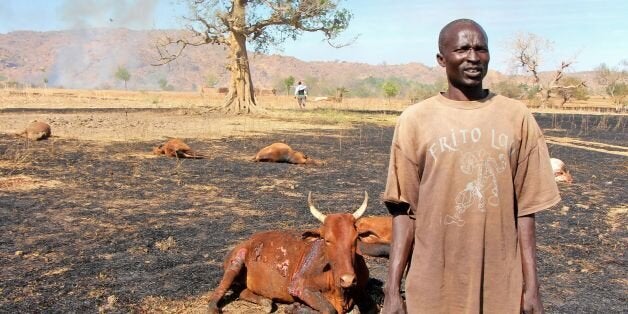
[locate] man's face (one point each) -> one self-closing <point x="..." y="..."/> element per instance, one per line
<point x="465" y="56"/>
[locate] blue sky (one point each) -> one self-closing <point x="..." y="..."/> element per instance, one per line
<point x="390" y="31"/>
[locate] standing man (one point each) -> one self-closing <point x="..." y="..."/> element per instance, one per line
<point x="300" y="93"/>
<point x="468" y="170"/>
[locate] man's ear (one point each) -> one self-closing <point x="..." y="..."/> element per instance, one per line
<point x="311" y="235"/>
<point x="440" y="59"/>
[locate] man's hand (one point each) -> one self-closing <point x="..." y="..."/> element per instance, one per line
<point x="531" y="299"/>
<point x="393" y="303"/>
<point x="531" y="302"/>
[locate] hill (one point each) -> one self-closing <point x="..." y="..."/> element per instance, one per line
<point x="88" y="59"/>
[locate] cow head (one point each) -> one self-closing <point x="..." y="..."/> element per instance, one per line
<point x="340" y="236"/>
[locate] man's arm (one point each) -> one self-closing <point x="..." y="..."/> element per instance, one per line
<point x="401" y="246"/>
<point x="531" y="302"/>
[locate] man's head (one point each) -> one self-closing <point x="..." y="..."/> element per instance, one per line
<point x="463" y="52"/>
<point x="299" y="83"/>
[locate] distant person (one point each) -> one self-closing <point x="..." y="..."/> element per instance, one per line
<point x="468" y="170"/>
<point x="300" y="93"/>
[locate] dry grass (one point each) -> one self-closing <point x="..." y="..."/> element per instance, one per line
<point x="26" y="183"/>
<point x="118" y="118"/>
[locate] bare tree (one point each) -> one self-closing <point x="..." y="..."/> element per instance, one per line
<point x="527" y="53"/>
<point x="262" y="23"/>
<point x="571" y="88"/>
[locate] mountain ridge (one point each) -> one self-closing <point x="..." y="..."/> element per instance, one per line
<point x="88" y="59"/>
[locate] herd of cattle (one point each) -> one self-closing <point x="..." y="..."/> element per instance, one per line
<point x="322" y="268"/>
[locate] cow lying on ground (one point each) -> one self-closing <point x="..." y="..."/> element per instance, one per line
<point x="281" y="152"/>
<point x="176" y="148"/>
<point x="36" y="131"/>
<point x="374" y="235"/>
<point x="317" y="267"/>
<point x="561" y="174"/>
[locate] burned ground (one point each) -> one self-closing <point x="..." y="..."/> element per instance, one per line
<point x="90" y="226"/>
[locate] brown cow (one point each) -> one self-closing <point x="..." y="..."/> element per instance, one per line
<point x="36" y="131"/>
<point x="317" y="267"/>
<point x="374" y="235"/>
<point x="176" y="148"/>
<point x="561" y="174"/>
<point x="280" y="152"/>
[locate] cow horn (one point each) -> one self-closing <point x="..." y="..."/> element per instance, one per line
<point x="358" y="213"/>
<point x="320" y="216"/>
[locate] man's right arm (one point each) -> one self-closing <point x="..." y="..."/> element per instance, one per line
<point x="401" y="248"/>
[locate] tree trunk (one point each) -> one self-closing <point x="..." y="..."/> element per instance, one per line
<point x="241" y="98"/>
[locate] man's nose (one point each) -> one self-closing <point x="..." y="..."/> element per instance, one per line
<point x="472" y="55"/>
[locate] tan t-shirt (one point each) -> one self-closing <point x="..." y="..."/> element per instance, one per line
<point x="467" y="169"/>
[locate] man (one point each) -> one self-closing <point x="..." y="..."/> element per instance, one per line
<point x="468" y="170"/>
<point x="300" y="93"/>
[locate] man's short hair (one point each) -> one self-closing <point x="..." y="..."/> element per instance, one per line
<point x="442" y="37"/>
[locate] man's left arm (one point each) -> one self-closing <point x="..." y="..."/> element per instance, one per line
<point x="531" y="302"/>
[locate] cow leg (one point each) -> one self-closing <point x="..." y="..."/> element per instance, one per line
<point x="314" y="299"/>
<point x="248" y="295"/>
<point x="231" y="272"/>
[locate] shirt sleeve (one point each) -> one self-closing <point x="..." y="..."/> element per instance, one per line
<point x="402" y="185"/>
<point x="534" y="182"/>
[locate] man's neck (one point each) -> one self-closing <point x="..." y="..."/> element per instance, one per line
<point x="470" y="94"/>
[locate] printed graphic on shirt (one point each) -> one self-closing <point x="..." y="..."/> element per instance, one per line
<point x="484" y="155"/>
<point x="482" y="189"/>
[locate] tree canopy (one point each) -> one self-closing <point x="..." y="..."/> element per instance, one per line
<point x="123" y="74"/>
<point x="259" y="23"/>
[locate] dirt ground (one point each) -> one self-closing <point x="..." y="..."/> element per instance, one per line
<point x="92" y="223"/>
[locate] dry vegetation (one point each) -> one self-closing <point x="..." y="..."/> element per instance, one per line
<point x="92" y="221"/>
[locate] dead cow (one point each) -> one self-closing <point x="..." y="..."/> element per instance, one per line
<point x="374" y="235"/>
<point x="317" y="267"/>
<point x="280" y="152"/>
<point x="561" y="174"/>
<point x="36" y="131"/>
<point x="176" y="148"/>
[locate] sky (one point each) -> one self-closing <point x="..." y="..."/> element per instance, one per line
<point x="388" y="31"/>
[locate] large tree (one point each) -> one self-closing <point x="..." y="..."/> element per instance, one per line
<point x="261" y="23"/>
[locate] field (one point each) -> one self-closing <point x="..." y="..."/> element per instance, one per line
<point x="91" y="221"/>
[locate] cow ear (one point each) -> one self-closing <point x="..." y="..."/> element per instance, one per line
<point x="311" y="235"/>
